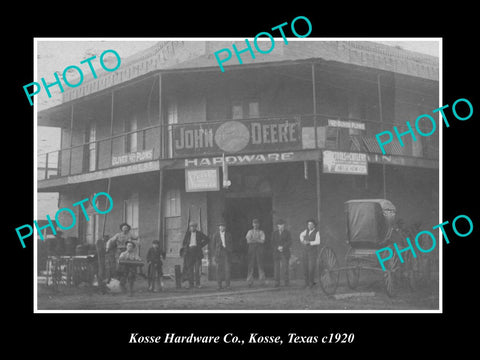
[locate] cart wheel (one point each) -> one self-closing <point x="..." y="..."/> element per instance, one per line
<point x="413" y="273"/>
<point x="56" y="275"/>
<point x="328" y="271"/>
<point x="389" y="276"/>
<point x="413" y="278"/>
<point x="353" y="275"/>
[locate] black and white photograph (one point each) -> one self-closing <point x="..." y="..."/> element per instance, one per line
<point x="238" y="175"/>
<point x="218" y="181"/>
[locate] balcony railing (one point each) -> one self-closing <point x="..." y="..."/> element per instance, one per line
<point x="332" y="133"/>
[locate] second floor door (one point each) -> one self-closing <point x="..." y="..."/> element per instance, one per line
<point x="172" y="118"/>
<point x="91" y="147"/>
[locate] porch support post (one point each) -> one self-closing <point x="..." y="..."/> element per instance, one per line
<point x="317" y="177"/>
<point x="111" y="127"/>
<point x="314" y="101"/>
<point x="71" y="142"/>
<point x="380" y="109"/>
<point x="317" y="162"/>
<point x="162" y="148"/>
<point x="161" y="230"/>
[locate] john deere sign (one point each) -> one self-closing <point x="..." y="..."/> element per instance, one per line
<point x="237" y="136"/>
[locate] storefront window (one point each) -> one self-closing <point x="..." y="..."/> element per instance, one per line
<point x="172" y="205"/>
<point x="131" y="212"/>
<point x="173" y="223"/>
<point x="92" y="229"/>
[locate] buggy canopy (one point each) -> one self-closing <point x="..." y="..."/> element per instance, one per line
<point x="368" y="221"/>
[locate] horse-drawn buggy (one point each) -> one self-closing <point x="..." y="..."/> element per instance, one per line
<point x="370" y="226"/>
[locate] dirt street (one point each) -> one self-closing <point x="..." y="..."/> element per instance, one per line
<point x="368" y="296"/>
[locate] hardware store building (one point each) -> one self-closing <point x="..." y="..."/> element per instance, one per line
<point x="287" y="135"/>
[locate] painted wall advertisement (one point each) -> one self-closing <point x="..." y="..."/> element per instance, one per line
<point x="237" y="136"/>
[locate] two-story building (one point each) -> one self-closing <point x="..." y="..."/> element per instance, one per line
<point x="292" y="131"/>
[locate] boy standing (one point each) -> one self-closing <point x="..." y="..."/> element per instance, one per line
<point x="154" y="261"/>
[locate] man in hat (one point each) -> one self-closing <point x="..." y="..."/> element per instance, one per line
<point x="281" y="241"/>
<point x="127" y="266"/>
<point x="310" y="239"/>
<point x="119" y="241"/>
<point x="255" y="242"/>
<point x="191" y="250"/>
<point x="222" y="247"/>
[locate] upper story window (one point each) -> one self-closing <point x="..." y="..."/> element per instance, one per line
<point x="131" y="206"/>
<point x="132" y="138"/>
<point x="245" y="109"/>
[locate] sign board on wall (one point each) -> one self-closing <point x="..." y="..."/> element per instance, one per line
<point x="340" y="162"/>
<point x="346" y="124"/>
<point x="116" y="171"/>
<point x="205" y="179"/>
<point x="237" y="136"/>
<point x="133" y="157"/>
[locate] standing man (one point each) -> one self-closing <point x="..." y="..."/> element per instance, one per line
<point x="193" y="242"/>
<point x="255" y="241"/>
<point x="310" y="238"/>
<point x="281" y="241"/>
<point x="119" y="241"/>
<point x="222" y="245"/>
<point x="127" y="266"/>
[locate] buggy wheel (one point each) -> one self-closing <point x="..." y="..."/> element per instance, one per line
<point x="56" y="272"/>
<point x="389" y="277"/>
<point x="56" y="275"/>
<point x="328" y="271"/>
<point x="413" y="273"/>
<point x="353" y="275"/>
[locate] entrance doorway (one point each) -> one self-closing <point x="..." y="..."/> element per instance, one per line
<point x="239" y="212"/>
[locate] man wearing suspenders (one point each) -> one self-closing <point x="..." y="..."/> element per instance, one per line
<point x="310" y="238"/>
